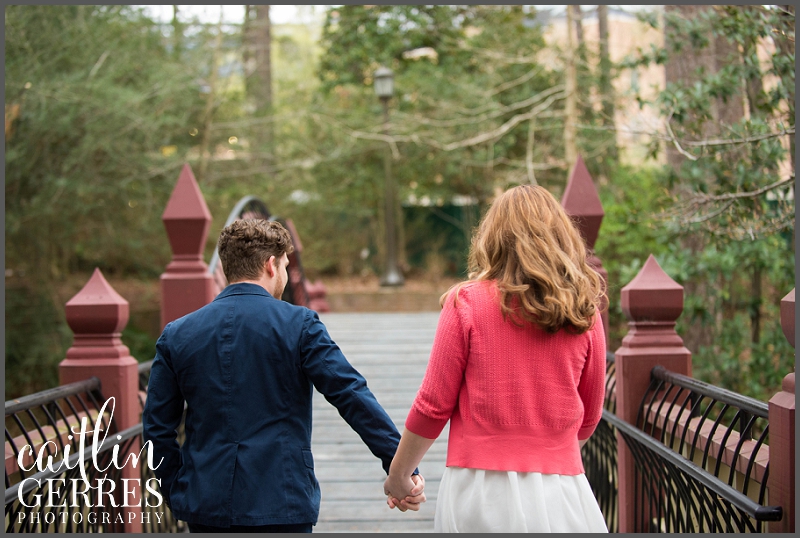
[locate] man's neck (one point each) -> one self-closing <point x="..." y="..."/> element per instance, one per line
<point x="267" y="283"/>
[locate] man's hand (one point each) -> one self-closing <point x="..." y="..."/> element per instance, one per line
<point x="410" y="494"/>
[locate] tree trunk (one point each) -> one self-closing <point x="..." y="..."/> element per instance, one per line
<point x="755" y="305"/>
<point x="604" y="84"/>
<point x="787" y="48"/>
<point x="570" y="108"/>
<point x="754" y="83"/>
<point x="263" y="73"/>
<point x="682" y="68"/>
<point x="577" y="14"/>
<point x="208" y="114"/>
<point x="583" y="75"/>
<point x="177" y="34"/>
<point x="247" y="48"/>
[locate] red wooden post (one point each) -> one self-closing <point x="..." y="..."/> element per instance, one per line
<point x="581" y="202"/>
<point x="781" y="435"/>
<point x="97" y="315"/>
<point x="186" y="285"/>
<point x="652" y="301"/>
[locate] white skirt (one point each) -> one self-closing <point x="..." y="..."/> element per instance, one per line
<point x="474" y="500"/>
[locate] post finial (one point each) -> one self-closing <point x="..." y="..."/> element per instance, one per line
<point x="187" y="218"/>
<point x="97" y="308"/>
<point x="582" y="203"/>
<point x="652" y="295"/>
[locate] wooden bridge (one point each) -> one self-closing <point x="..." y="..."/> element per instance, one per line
<point x="672" y="453"/>
<point x="391" y="351"/>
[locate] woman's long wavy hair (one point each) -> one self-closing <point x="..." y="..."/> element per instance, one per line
<point x="531" y="248"/>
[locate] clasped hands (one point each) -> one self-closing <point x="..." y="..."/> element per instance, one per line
<point x="404" y="493"/>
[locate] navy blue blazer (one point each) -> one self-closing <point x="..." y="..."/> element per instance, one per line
<point x="246" y="365"/>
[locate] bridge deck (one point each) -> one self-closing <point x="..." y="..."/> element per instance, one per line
<point x="391" y="351"/>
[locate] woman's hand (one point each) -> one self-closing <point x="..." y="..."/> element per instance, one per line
<point x="405" y="493"/>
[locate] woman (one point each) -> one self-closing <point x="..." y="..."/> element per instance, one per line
<point x="518" y="368"/>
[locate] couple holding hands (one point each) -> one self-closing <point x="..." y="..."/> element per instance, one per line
<point x="517" y="367"/>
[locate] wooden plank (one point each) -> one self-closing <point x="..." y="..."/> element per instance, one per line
<point x="391" y="351"/>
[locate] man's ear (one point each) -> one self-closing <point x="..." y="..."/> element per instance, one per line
<point x="271" y="266"/>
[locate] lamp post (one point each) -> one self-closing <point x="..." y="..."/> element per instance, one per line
<point x="384" y="88"/>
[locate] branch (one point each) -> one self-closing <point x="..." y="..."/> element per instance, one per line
<point x="709" y="198"/>
<point x="687" y="210"/>
<point x="500" y="131"/>
<point x="749" y="139"/>
<point x="758" y="229"/>
<point x="389" y="139"/>
<point x="690" y="143"/>
<point x="529" y="154"/>
<point x="676" y="143"/>
<point x="712" y="215"/>
<point x="489" y="114"/>
<point x="507" y="85"/>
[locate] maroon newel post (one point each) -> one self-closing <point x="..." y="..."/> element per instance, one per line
<point x="582" y="204"/>
<point x="97" y="315"/>
<point x="186" y="284"/>
<point x="781" y="435"/>
<point x="652" y="301"/>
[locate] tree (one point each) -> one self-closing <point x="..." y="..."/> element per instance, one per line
<point x="728" y="126"/>
<point x="104" y="117"/>
<point x="468" y="90"/>
<point x="729" y="163"/>
<point x="604" y="86"/>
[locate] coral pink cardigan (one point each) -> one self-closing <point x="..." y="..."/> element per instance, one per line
<point x="518" y="398"/>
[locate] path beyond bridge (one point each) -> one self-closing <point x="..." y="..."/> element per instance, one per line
<point x="391" y="351"/>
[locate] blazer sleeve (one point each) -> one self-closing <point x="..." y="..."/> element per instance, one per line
<point x="591" y="387"/>
<point x="346" y="389"/>
<point x="438" y="395"/>
<point x="162" y="415"/>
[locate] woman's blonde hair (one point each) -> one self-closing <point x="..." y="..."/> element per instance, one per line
<point x="531" y="248"/>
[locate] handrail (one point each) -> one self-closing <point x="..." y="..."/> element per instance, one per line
<point x="32" y="400"/>
<point x="723" y="490"/>
<point x="145" y="367"/>
<point x="750" y="405"/>
<point x="33" y="481"/>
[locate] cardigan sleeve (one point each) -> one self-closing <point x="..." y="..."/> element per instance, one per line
<point x="438" y="394"/>
<point x="591" y="387"/>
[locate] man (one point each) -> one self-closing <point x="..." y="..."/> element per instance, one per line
<point x="246" y="365"/>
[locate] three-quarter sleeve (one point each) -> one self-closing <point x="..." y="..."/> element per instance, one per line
<point x="591" y="387"/>
<point x="439" y="391"/>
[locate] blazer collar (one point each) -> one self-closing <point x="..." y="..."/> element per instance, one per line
<point x="242" y="288"/>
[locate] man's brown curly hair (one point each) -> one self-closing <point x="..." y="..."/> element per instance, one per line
<point x="245" y="245"/>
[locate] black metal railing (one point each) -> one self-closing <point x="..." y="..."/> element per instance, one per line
<point x="675" y="495"/>
<point x="46" y="421"/>
<point x="46" y="501"/>
<point x="56" y="498"/>
<point x="721" y="431"/>
<point x="600" y="454"/>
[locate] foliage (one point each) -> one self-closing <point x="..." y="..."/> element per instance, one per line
<point x="730" y="181"/>
<point x="723" y="307"/>
<point x="465" y="76"/>
<point x="36" y="339"/>
<point x="629" y="233"/>
<point x="99" y="100"/>
<point x="725" y="231"/>
<point x="719" y="303"/>
<point x="98" y="126"/>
